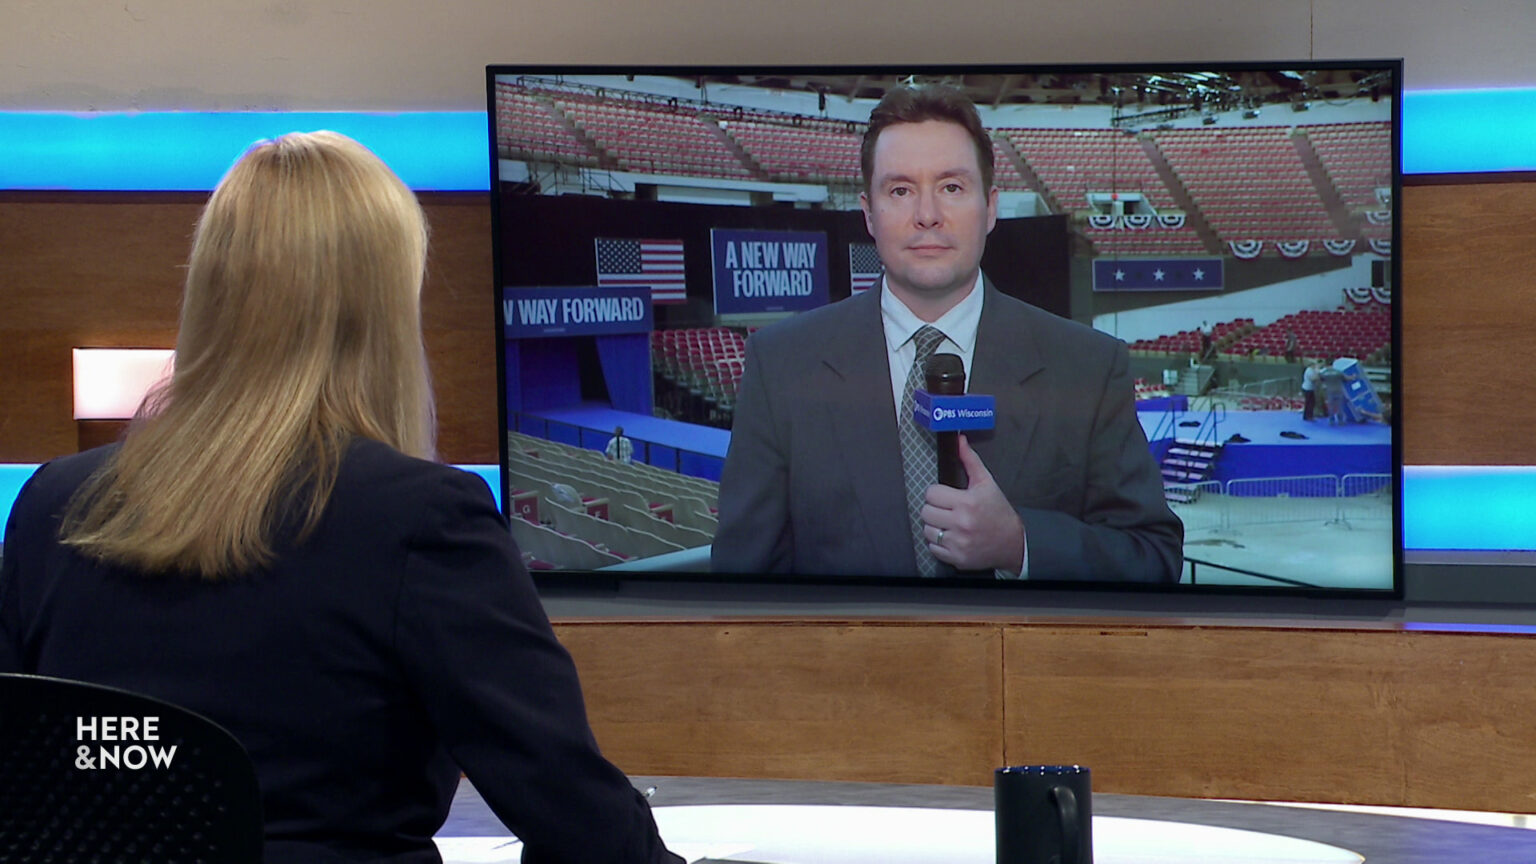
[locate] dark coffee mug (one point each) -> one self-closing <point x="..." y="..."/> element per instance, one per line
<point x="1044" y="814"/>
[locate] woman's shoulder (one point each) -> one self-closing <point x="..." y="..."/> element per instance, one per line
<point x="55" y="481"/>
<point x="376" y="476"/>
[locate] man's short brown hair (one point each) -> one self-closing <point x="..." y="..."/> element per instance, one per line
<point x="917" y="103"/>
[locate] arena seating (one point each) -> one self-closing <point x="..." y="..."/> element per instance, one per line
<point x="653" y="138"/>
<point x="604" y="486"/>
<point x="1148" y="390"/>
<point x="1186" y="342"/>
<point x="1356" y="158"/>
<point x="1250" y="184"/>
<point x="530" y="127"/>
<point x="544" y="548"/>
<point x="1359" y="328"/>
<point x="620" y="511"/>
<point x="706" y="361"/>
<point x="608" y="535"/>
<point x="1075" y="162"/>
<point x="811" y="150"/>
<point x="1344" y="332"/>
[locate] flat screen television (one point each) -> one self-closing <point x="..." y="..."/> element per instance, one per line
<point x="659" y="232"/>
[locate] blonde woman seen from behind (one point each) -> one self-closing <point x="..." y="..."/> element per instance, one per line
<point x="272" y="546"/>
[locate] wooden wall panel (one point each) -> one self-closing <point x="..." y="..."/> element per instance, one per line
<point x="1373" y="716"/>
<point x="880" y="702"/>
<point x="90" y="271"/>
<point x="1363" y="714"/>
<point x="458" y="315"/>
<point x="1469" y="356"/>
<point x="106" y="271"/>
<point x="1211" y="712"/>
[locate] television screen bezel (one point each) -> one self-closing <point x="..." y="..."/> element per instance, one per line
<point x="609" y="579"/>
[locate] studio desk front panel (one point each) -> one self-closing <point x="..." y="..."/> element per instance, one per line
<point x="1368" y="714"/>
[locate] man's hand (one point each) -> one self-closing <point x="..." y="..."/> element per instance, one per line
<point x="973" y="528"/>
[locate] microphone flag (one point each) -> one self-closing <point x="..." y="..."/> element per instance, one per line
<point x="966" y="413"/>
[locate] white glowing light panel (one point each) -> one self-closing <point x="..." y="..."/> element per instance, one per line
<point x="111" y="382"/>
<point x="831" y="834"/>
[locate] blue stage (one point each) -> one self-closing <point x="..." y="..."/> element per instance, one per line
<point x="1364" y="448"/>
<point x="682" y="447"/>
<point x="1356" y="448"/>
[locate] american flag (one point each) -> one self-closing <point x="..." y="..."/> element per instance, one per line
<point x="655" y="264"/>
<point x="863" y="266"/>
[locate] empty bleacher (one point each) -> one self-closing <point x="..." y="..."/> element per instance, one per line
<point x="1357" y="158"/>
<point x="530" y="127"/>
<point x="620" y="511"/>
<point x="705" y="361"/>
<point x="1250" y="184"/>
<point x="1185" y="342"/>
<point x="544" y="548"/>
<point x="1262" y="185"/>
<point x="806" y="150"/>
<point x="1072" y="163"/>
<point x="1362" y="333"/>
<point x="1361" y="328"/>
<point x="1005" y="172"/>
<point x="1145" y="389"/>
<point x="653" y="138"/>
<point x="622" y="540"/>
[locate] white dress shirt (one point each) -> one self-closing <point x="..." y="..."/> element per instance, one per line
<point x="959" y="326"/>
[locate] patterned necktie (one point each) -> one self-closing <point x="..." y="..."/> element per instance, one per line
<point x="919" y="455"/>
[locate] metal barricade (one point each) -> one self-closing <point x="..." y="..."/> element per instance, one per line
<point x="1365" y="496"/>
<point x="1265" y="500"/>
<point x="1200" y="506"/>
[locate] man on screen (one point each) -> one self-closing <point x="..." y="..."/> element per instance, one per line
<point x="817" y="479"/>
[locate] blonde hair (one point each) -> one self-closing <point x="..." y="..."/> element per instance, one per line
<point x="300" y="328"/>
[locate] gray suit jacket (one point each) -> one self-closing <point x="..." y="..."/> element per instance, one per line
<point x="812" y="482"/>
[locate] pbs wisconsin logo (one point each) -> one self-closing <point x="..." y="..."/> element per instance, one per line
<point x="132" y="743"/>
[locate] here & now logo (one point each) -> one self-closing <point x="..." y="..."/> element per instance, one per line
<point x="120" y="742"/>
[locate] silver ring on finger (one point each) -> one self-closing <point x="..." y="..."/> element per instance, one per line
<point x="939" y="540"/>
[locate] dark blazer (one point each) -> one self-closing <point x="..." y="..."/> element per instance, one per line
<point x="400" y="642"/>
<point x="813" y="481"/>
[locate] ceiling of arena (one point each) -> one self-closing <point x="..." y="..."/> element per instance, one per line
<point x="1126" y="89"/>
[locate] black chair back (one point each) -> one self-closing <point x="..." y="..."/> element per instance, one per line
<point x="93" y="773"/>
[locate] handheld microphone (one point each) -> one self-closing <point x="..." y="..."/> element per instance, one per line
<point x="944" y="375"/>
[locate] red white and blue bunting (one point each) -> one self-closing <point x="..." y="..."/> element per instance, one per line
<point x="1293" y="248"/>
<point x="1364" y="295"/>
<point x="1247" y="249"/>
<point x="1251" y="249"/>
<point x="1379" y="217"/>
<point x="1136" y="221"/>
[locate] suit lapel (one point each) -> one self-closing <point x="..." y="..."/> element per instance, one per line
<point x="864" y="431"/>
<point x="1007" y="355"/>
